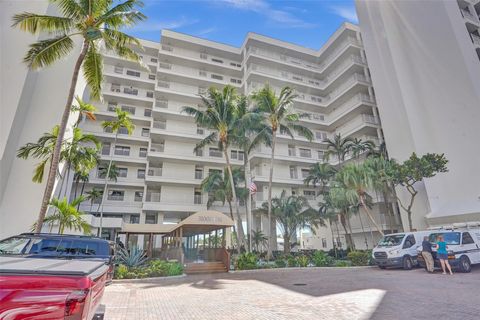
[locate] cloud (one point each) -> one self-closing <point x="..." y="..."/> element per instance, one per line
<point x="262" y="7"/>
<point x="347" y="12"/>
<point x="205" y="31"/>
<point x="152" y="25"/>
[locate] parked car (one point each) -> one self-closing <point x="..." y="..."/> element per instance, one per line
<point x="55" y="246"/>
<point x="398" y="250"/>
<point x="37" y="289"/>
<point x="463" y="245"/>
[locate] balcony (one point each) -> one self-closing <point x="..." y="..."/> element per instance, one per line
<point x="155" y="172"/>
<point x="182" y="203"/>
<point x="128" y="92"/>
<point x="129" y="73"/>
<point x="475" y="39"/>
<point x="467" y="15"/>
<point x="107" y="222"/>
<point x="363" y="122"/>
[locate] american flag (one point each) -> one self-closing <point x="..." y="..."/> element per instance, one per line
<point x="252" y="187"/>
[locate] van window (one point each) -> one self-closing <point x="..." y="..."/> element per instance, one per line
<point x="14" y="245"/>
<point x="451" y="238"/>
<point x="410" y="241"/>
<point x="391" y="240"/>
<point x="467" y="238"/>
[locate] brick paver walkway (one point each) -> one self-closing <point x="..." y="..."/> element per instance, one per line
<point x="314" y="293"/>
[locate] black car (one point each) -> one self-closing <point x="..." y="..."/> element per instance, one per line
<point x="55" y="246"/>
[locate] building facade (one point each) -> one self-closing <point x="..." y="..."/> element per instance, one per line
<point x="424" y="60"/>
<point x="160" y="175"/>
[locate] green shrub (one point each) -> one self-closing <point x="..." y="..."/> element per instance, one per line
<point x="247" y="261"/>
<point x="359" y="258"/>
<point x="342" y="263"/>
<point x="132" y="258"/>
<point x="291" y="261"/>
<point x="302" y="261"/>
<point x="121" y="272"/>
<point x="321" y="259"/>
<point x="154" y="268"/>
<point x="280" y="263"/>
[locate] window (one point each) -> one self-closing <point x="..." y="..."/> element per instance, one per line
<point x="166" y="48"/>
<point x="118" y="69"/>
<point x="320" y="154"/>
<point x="138" y="196"/>
<point x="116" y="195"/>
<point x="142" y="153"/>
<point x="131" y="91"/>
<point x="145" y="132"/>
<point x="149" y="94"/>
<point x="409" y="241"/>
<point x="163" y="84"/>
<point x="293" y="172"/>
<point x="122" y="151"/>
<point x="233" y="64"/>
<point x="122" y="130"/>
<point x="134" y="218"/>
<point x="108" y="130"/>
<point x="154" y="60"/>
<point x="198" y="172"/>
<point x="305" y="173"/>
<point x="200" y="130"/>
<point x="451" y="238"/>
<point x="202" y="73"/>
<point x="238" y="155"/>
<point x="324" y="242"/>
<point x="309" y="194"/>
<point x="160" y="124"/>
<point x="467" y="238"/>
<point x="305" y="153"/>
<point x="106" y="148"/>
<point x="133" y="73"/>
<point x="202" y="90"/>
<point x="161" y="103"/>
<point x="197" y="198"/>
<point x="214" y="152"/>
<point x="238" y="81"/>
<point x="128" y="109"/>
<point x="321" y="135"/>
<point x="216" y="76"/>
<point x="151" y="218"/>
<point x="115" y="88"/>
<point x="141" y="173"/>
<point x="199" y="152"/>
<point x="217" y="60"/>
<point x="165" y="65"/>
<point x="151" y="77"/>
<point x="339" y="242"/>
<point x="112" y="106"/>
<point x="203" y="56"/>
<point x="122" y="172"/>
<point x="291" y="151"/>
<point x="147" y="112"/>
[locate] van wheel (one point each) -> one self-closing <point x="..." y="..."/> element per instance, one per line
<point x="465" y="265"/>
<point x="382" y="267"/>
<point x="407" y="263"/>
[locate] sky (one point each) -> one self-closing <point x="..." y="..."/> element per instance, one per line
<point x="308" y="23"/>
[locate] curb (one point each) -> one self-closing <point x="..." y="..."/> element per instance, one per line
<point x="296" y="268"/>
<point x="148" y="279"/>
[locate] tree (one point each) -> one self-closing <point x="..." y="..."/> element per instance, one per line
<point x="122" y="121"/>
<point x="84" y="110"/>
<point x="412" y="171"/>
<point x="249" y="133"/>
<point x="342" y="206"/>
<point x="94" y="195"/>
<point x="83" y="177"/>
<point x="67" y="215"/>
<point x="95" y="22"/>
<point x="278" y="116"/>
<point x="220" y="117"/>
<point x="292" y="213"/>
<point x="259" y="239"/>
<point x="359" y="146"/>
<point x="338" y="147"/>
<point x="320" y="174"/>
<point x="357" y="179"/>
<point x="217" y="185"/>
<point x="112" y="173"/>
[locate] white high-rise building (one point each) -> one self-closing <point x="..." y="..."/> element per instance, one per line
<point x="424" y="60"/>
<point x="160" y="175"/>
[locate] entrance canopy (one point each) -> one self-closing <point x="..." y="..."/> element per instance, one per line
<point x="198" y="223"/>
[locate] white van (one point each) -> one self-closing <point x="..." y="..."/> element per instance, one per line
<point x="398" y="250"/>
<point x="463" y="245"/>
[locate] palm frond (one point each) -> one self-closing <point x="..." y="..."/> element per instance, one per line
<point x="33" y="23"/>
<point x="46" y="52"/>
<point x="92" y="70"/>
<point x="70" y="8"/>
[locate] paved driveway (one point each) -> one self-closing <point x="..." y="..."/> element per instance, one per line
<point x="313" y="293"/>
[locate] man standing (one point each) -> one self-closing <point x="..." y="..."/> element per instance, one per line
<point x="427" y="254"/>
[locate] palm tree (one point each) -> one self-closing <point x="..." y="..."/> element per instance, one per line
<point x="67" y="215"/>
<point x="94" y="195"/>
<point x="328" y="212"/>
<point x="95" y="22"/>
<point x="358" y="146"/>
<point x="80" y="177"/>
<point x="217" y="185"/>
<point x="84" y="110"/>
<point x="250" y="133"/>
<point x="339" y="147"/>
<point x="343" y="207"/>
<point x="293" y="213"/>
<point x="220" y="117"/>
<point x="259" y="239"/>
<point x="122" y="121"/>
<point x="277" y="115"/>
<point x="112" y="173"/>
<point x="320" y="174"/>
<point x="357" y="179"/>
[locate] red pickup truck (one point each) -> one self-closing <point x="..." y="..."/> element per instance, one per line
<point x="37" y="289"/>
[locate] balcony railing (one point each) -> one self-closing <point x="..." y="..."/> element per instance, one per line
<point x="215" y="153"/>
<point x="153" y="197"/>
<point x="467" y="14"/>
<point x="157" y="147"/>
<point x="155" y="172"/>
<point x="197" y="199"/>
<point x="160" y="125"/>
<point x="475" y="39"/>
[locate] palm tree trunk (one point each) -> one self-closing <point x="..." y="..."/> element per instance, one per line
<point x="370" y="216"/>
<point x="272" y="230"/>
<point x="350" y="230"/>
<point x="240" y="234"/>
<point x="333" y="238"/>
<point x="363" y="229"/>
<point x="81" y="193"/>
<point x="231" y="215"/>
<point x="106" y="186"/>
<point x="248" y="204"/>
<point x="347" y="235"/>
<point x="52" y="172"/>
<point x="286" y="243"/>
<point x="67" y="177"/>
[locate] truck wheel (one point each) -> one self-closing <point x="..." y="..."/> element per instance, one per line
<point x="465" y="265"/>
<point x="407" y="263"/>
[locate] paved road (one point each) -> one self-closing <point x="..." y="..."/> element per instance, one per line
<point x="313" y="293"/>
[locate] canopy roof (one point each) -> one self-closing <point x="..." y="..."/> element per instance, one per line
<point x="198" y="223"/>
